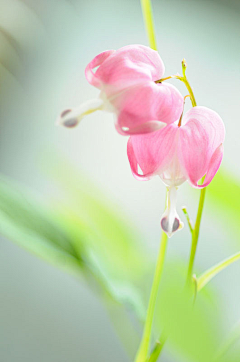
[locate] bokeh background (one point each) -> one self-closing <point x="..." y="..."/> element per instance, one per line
<point x="47" y="315"/>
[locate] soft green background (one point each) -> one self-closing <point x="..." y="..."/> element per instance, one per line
<point x="45" y="45"/>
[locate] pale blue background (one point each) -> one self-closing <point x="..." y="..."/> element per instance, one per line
<point x="45" y="45"/>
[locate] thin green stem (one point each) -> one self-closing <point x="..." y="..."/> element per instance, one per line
<point x="195" y="231"/>
<point x="148" y="20"/>
<point x="184" y="209"/>
<point x="205" y="278"/>
<point x="144" y="346"/>
<point x="157" y="349"/>
<point x="195" y="235"/>
<point x="163" y="79"/>
<point x="184" y="80"/>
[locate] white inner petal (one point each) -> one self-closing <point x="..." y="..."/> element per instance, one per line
<point x="71" y="117"/>
<point x="170" y="221"/>
<point x="173" y="175"/>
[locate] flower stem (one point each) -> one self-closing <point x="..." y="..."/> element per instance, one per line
<point x="157" y="349"/>
<point x="163" y="79"/>
<point x="144" y="346"/>
<point x="142" y="353"/>
<point x="195" y="234"/>
<point x="148" y="19"/>
<point x="195" y="231"/>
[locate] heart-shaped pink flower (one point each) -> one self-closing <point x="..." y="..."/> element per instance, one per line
<point x="126" y="78"/>
<point x="179" y="153"/>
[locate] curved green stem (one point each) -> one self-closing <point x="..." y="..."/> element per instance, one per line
<point x="185" y="80"/>
<point x="205" y="278"/>
<point x="195" y="235"/>
<point x="195" y="231"/>
<point x="144" y="346"/>
<point x="157" y="349"/>
<point x="148" y="19"/>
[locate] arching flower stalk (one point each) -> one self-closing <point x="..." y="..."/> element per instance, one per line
<point x="126" y="79"/>
<point x="185" y="150"/>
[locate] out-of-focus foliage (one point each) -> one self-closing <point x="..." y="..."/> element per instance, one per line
<point x="207" y="276"/>
<point x="230" y="348"/>
<point x="80" y="232"/>
<point x="223" y="194"/>
<point x="84" y="235"/>
<point x="192" y="329"/>
<point x="34" y="227"/>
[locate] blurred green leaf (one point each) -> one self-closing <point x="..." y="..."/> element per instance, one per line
<point x="224" y="194"/>
<point x="111" y="236"/>
<point x="30" y="224"/>
<point x="205" y="278"/>
<point x="87" y="238"/>
<point x="192" y="330"/>
<point x="227" y="350"/>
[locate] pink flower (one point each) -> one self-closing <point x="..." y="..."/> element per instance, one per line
<point x="126" y="79"/>
<point x="179" y="153"/>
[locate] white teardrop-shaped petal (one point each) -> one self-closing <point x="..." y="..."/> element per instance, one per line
<point x="170" y="221"/>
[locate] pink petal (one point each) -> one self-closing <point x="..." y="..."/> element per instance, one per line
<point x="97" y="61"/>
<point x="147" y="103"/>
<point x="201" y="134"/>
<point x="130" y="65"/>
<point x="133" y="162"/>
<point x="152" y="152"/>
<point x="213" y="167"/>
<point x="211" y="122"/>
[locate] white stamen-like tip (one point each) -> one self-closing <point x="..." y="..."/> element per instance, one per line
<point x="170" y="222"/>
<point x="67" y="119"/>
<point x="71" y="117"/>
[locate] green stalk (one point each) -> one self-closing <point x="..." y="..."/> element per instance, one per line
<point x="144" y="346"/>
<point x="195" y="235"/>
<point x="195" y="231"/>
<point x="142" y="353"/>
<point x="148" y="20"/>
<point x="205" y="278"/>
<point x="185" y="80"/>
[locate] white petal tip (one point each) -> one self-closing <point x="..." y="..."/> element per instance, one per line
<point x="177" y="225"/>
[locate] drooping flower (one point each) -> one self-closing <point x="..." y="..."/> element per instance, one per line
<point x="126" y="79"/>
<point x="177" y="153"/>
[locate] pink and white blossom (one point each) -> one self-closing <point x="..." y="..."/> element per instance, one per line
<point x="178" y="153"/>
<point x="126" y="80"/>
